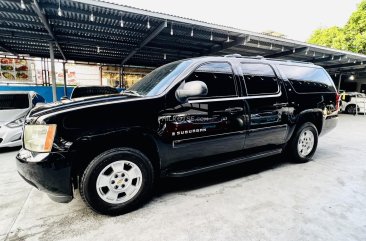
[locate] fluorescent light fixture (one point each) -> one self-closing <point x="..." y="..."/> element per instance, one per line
<point x="148" y="23"/>
<point x="92" y="18"/>
<point x="59" y="11"/>
<point x="22" y="5"/>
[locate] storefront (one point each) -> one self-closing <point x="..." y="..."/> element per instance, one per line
<point x="37" y="72"/>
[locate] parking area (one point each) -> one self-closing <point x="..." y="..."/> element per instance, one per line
<point x="268" y="199"/>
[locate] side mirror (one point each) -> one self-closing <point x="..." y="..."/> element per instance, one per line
<point x="191" y="89"/>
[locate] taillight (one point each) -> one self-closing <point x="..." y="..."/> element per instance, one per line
<point x="338" y="99"/>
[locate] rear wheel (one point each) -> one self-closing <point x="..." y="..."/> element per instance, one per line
<point x="351" y="109"/>
<point x="303" y="144"/>
<point x="117" y="181"/>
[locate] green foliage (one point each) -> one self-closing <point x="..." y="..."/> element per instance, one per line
<point x="333" y="37"/>
<point x="351" y="37"/>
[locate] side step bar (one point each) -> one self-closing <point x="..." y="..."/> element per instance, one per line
<point x="221" y="164"/>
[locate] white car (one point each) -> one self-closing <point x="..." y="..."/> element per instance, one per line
<point x="351" y="100"/>
<point x="14" y="106"/>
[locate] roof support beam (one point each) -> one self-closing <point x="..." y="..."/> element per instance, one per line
<point x="23" y="35"/>
<point x="287" y="52"/>
<point x="7" y="49"/>
<point x="329" y="58"/>
<point x="334" y="66"/>
<point x="226" y="45"/>
<point x="44" y="20"/>
<point x="119" y="48"/>
<point x="146" y="41"/>
<point x="12" y="21"/>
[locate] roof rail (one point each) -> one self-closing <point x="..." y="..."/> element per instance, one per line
<point x="290" y="61"/>
<point x="234" y="55"/>
<point x="241" y="56"/>
<point x="271" y="59"/>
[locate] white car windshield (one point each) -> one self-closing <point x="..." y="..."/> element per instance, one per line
<point x="14" y="101"/>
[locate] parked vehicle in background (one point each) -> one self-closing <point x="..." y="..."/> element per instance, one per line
<point x="184" y="118"/>
<point x="14" y="106"/>
<point x="352" y="100"/>
<point x="87" y="91"/>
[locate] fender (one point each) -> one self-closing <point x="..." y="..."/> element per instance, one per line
<point x="89" y="145"/>
<point x="314" y="115"/>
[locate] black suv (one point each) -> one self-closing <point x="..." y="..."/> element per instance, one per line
<point x="183" y="118"/>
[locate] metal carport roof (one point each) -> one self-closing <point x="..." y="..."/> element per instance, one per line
<point x="77" y="36"/>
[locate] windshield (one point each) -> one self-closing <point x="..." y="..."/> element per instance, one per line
<point x="159" y="79"/>
<point x="14" y="101"/>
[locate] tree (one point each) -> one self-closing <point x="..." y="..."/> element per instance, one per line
<point x="351" y="37"/>
<point x="333" y="37"/>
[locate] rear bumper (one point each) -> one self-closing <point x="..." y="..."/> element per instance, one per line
<point x="51" y="173"/>
<point x="329" y="123"/>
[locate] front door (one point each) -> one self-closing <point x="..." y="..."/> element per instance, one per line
<point x="267" y="104"/>
<point x="208" y="125"/>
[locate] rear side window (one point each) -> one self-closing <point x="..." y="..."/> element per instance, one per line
<point x="259" y="79"/>
<point x="218" y="77"/>
<point x="307" y="79"/>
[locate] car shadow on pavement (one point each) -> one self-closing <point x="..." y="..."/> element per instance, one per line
<point x="171" y="185"/>
<point x="9" y="149"/>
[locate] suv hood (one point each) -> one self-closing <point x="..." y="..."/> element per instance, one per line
<point x="10" y="115"/>
<point x="78" y="102"/>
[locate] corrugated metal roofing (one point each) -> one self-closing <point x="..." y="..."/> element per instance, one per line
<point x="22" y="31"/>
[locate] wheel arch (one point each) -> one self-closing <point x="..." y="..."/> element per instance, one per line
<point x="355" y="105"/>
<point x="86" y="148"/>
<point x="314" y="116"/>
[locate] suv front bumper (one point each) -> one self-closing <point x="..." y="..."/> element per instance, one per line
<point x="48" y="172"/>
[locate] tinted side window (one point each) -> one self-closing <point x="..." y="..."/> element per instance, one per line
<point x="259" y="79"/>
<point x="218" y="77"/>
<point x="307" y="79"/>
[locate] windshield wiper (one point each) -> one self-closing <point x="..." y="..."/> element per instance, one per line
<point x="133" y="92"/>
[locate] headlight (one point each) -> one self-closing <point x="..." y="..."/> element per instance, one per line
<point x="39" y="138"/>
<point x="17" y="123"/>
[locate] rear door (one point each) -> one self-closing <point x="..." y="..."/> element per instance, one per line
<point x="267" y="104"/>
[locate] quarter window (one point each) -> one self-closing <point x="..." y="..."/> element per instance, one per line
<point x="307" y="79"/>
<point x="259" y="79"/>
<point x="218" y="77"/>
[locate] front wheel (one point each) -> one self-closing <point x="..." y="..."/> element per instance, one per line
<point x="117" y="181"/>
<point x="303" y="144"/>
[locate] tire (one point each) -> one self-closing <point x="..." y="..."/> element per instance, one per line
<point x="351" y="109"/>
<point x="117" y="181"/>
<point x="298" y="152"/>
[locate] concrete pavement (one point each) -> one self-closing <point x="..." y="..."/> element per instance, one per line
<point x="268" y="199"/>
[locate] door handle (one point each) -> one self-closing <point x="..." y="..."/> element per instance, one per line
<point x="280" y="104"/>
<point x="234" y="110"/>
